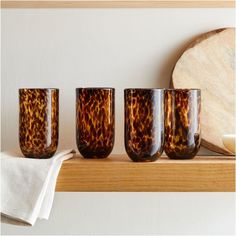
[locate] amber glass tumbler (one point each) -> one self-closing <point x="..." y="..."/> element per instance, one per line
<point x="38" y="122"/>
<point x="144" y="123"/>
<point x="182" y="123"/>
<point x="95" y="121"/>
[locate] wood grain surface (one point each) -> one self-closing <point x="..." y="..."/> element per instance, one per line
<point x="209" y="64"/>
<point x="115" y="3"/>
<point x="118" y="174"/>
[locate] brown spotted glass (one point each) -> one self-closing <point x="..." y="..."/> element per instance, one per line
<point x="95" y="121"/>
<point x="182" y="123"/>
<point x="38" y="122"/>
<point x="144" y="124"/>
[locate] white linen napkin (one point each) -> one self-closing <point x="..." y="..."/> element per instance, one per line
<point x="28" y="185"/>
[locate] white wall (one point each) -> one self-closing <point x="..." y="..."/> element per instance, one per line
<point x="106" y="47"/>
<point x="136" y="213"/>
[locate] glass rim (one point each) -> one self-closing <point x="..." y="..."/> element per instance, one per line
<point x="38" y="89"/>
<point x="144" y="89"/>
<point x="95" y="88"/>
<point x="183" y="89"/>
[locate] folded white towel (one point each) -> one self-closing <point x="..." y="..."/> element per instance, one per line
<point x="28" y="185"/>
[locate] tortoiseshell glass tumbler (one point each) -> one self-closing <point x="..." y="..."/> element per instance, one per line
<point x="182" y="123"/>
<point x="144" y="124"/>
<point x="38" y="122"/>
<point x="95" y="121"/>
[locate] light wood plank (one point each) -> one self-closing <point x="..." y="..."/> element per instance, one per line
<point x="116" y="3"/>
<point x="117" y="173"/>
<point x="207" y="64"/>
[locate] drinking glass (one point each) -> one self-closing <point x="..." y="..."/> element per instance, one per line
<point x="144" y="123"/>
<point x="38" y="121"/>
<point x="95" y="121"/>
<point x="182" y="123"/>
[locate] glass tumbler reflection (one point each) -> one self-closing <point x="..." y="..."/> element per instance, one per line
<point x="95" y="121"/>
<point x="38" y="122"/>
<point x="144" y="124"/>
<point x="182" y="123"/>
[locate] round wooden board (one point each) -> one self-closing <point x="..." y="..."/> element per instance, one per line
<point x="209" y="64"/>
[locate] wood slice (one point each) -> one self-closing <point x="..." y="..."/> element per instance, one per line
<point x="209" y="64"/>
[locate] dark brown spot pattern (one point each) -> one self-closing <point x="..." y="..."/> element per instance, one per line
<point x="95" y="121"/>
<point x="182" y="123"/>
<point x="144" y="123"/>
<point x="38" y="122"/>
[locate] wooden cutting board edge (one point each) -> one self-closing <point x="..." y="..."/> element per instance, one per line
<point x="197" y="40"/>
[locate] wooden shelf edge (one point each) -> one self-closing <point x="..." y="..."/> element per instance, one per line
<point x="117" y="4"/>
<point x="118" y="174"/>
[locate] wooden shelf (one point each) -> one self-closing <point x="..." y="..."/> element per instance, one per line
<point x="117" y="173"/>
<point x="116" y="3"/>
